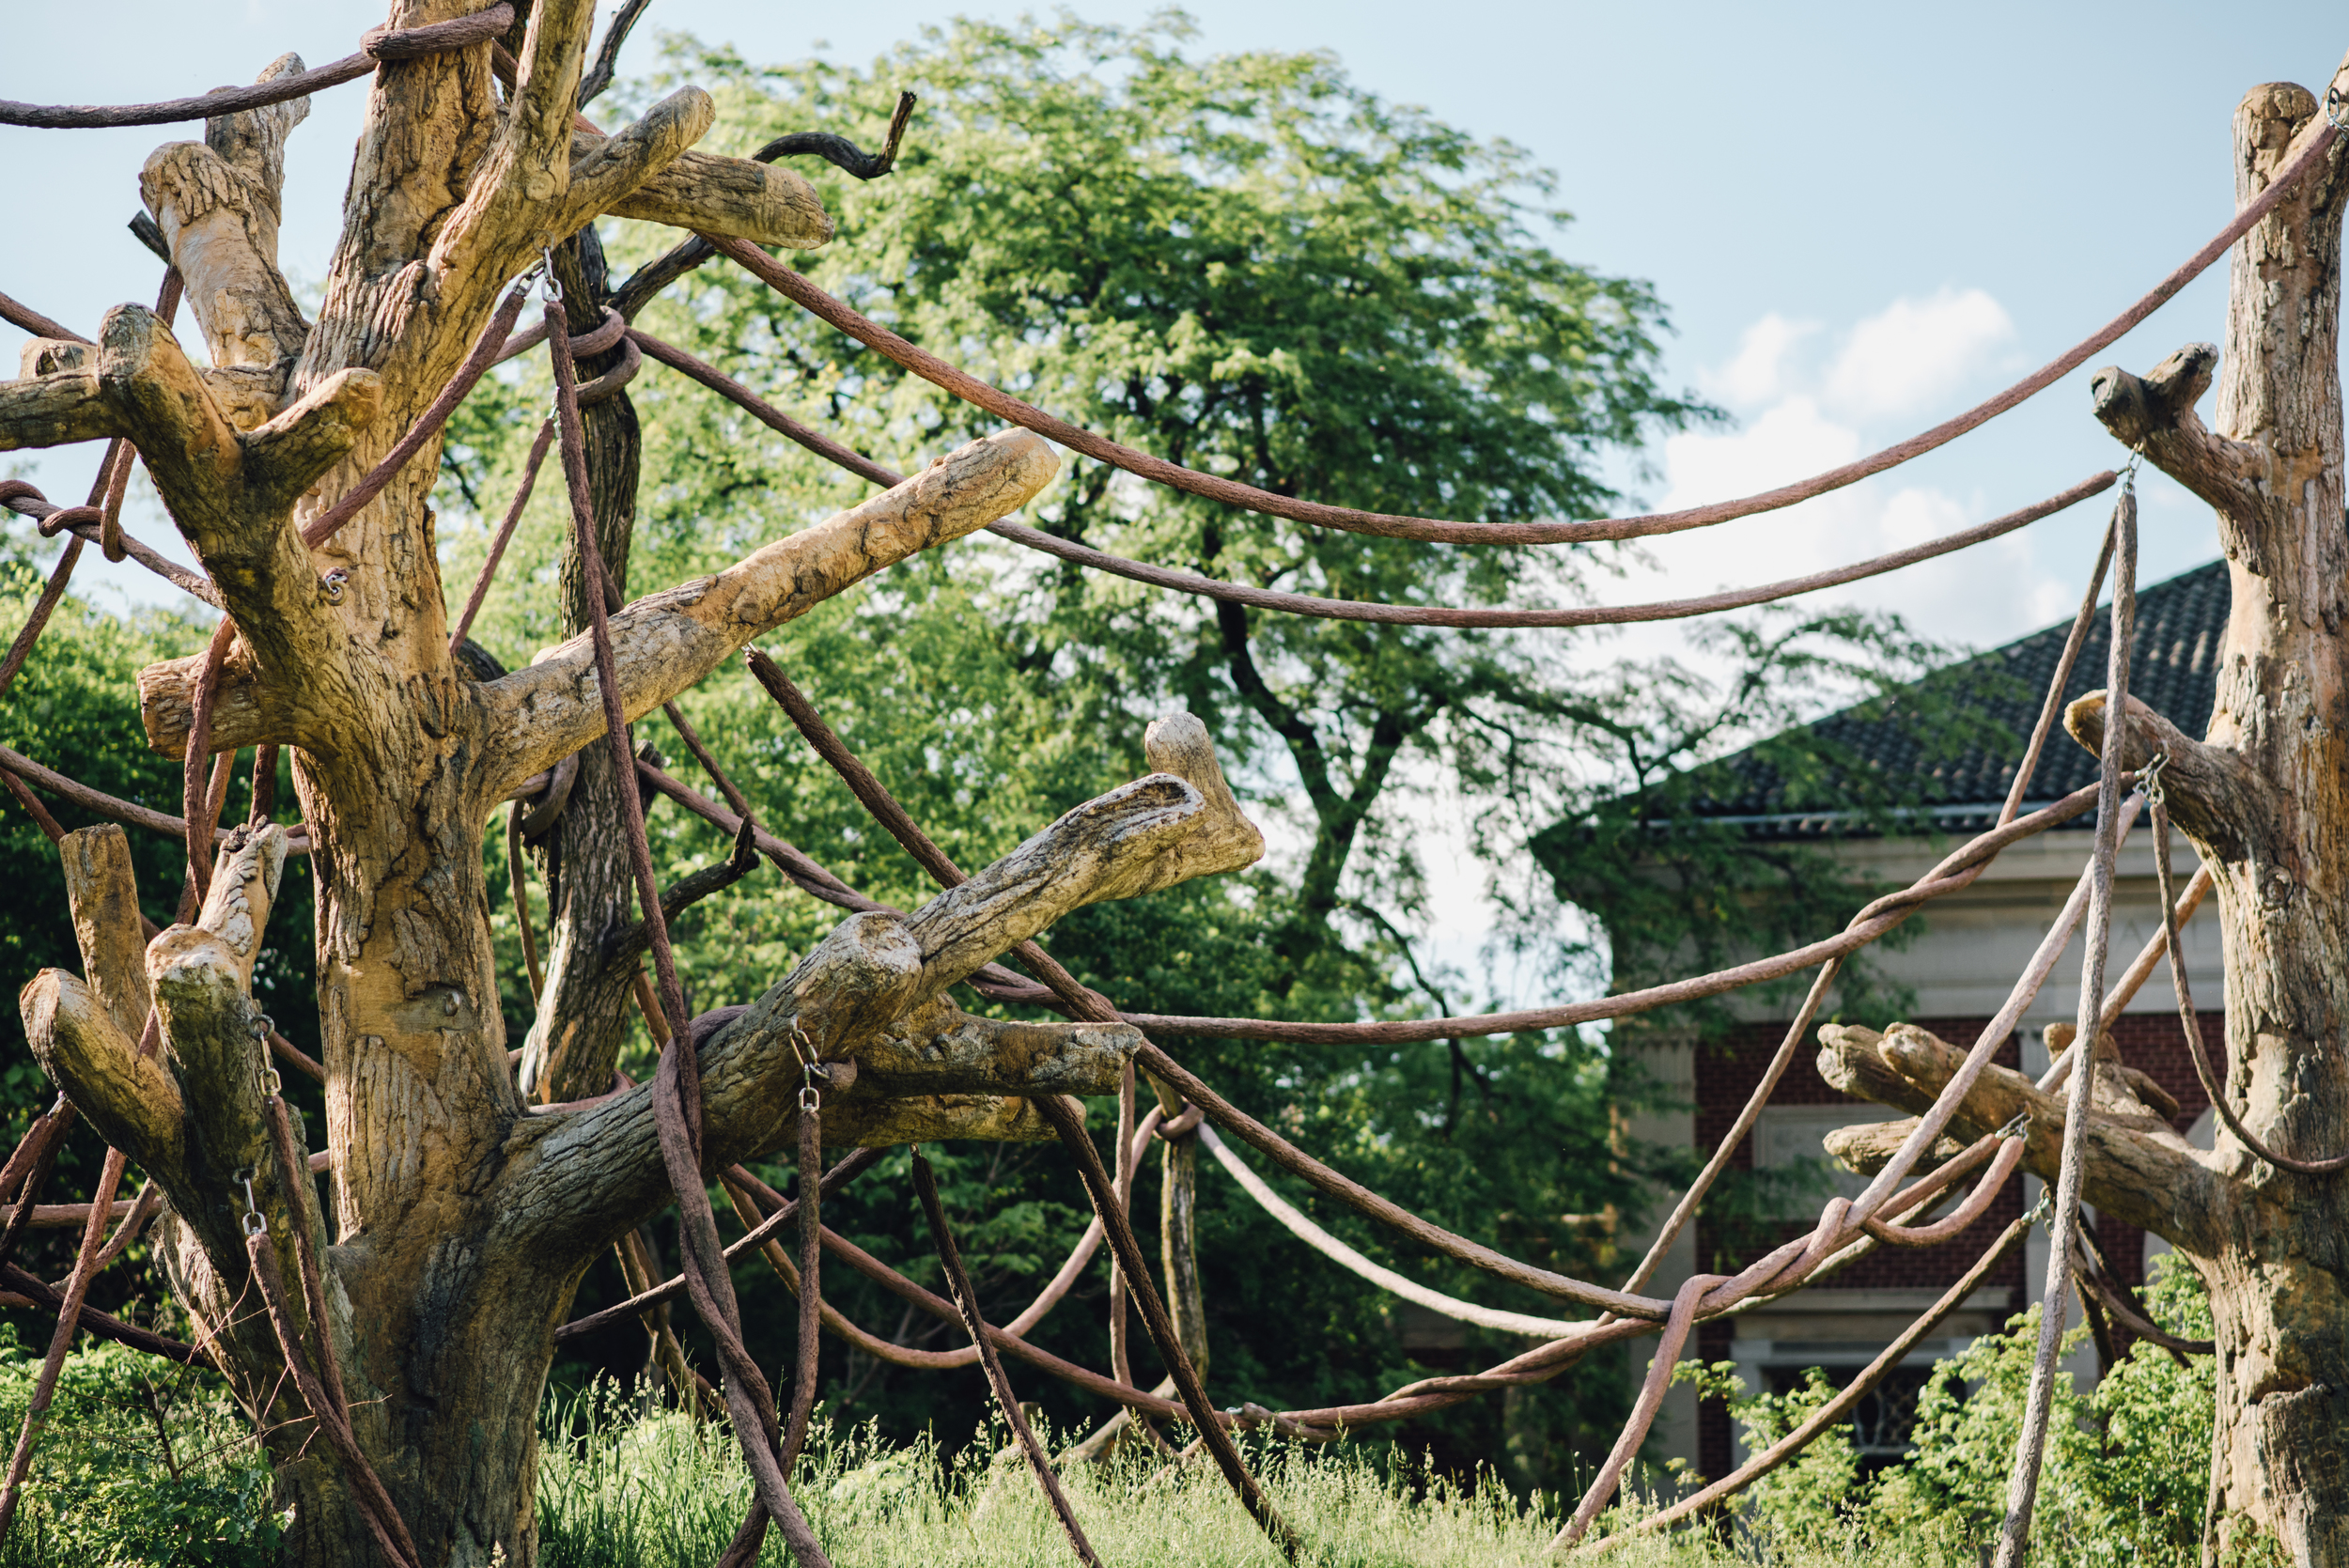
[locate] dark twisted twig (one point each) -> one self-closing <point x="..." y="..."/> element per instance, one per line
<point x="665" y="270"/>
<point x="598" y="77"/>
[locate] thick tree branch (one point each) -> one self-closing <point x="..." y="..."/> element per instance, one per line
<point x="55" y="411"/>
<point x="869" y="992"/>
<point x="129" y="1099"/>
<point x="213" y="1036"/>
<point x="246" y="709"/>
<point x="104" y="895"/>
<point x="667" y="642"/>
<point x="2155" y="414"/>
<point x="216" y="203"/>
<point x="608" y="173"/>
<point x="937" y="1049"/>
<point x="728" y="197"/>
<point x="2214" y="795"/>
<point x="2139" y="1169"/>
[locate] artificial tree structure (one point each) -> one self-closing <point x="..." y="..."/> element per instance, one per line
<point x="2264" y="798"/>
<point x="470" y="1189"/>
<point x="472" y="1183"/>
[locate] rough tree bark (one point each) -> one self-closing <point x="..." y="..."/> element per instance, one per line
<point x="464" y="1215"/>
<point x="2264" y="798"/>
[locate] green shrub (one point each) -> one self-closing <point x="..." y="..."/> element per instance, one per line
<point x="2123" y="1485"/>
<point x="141" y="1465"/>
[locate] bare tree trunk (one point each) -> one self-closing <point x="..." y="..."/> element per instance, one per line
<point x="2264" y="798"/>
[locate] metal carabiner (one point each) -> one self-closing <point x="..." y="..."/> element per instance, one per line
<point x="252" y="1222"/>
<point x="2149" y="780"/>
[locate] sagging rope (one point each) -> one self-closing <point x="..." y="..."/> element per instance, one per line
<point x="1293" y="1219"/>
<point x="1359" y="610"/>
<point x="676" y="1092"/>
<point x="794" y="286"/>
<point x="376" y="46"/>
<point x="2030" y="1446"/>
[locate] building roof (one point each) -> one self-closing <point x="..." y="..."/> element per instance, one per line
<point x="2173" y="667"/>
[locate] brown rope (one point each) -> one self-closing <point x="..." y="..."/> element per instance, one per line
<point x="374" y="1503"/>
<point x="856" y="1163"/>
<point x="958" y="1286"/>
<point x="1603" y="615"/>
<point x="376" y="46"/>
<point x="427" y="424"/>
<point x="2213" y="1089"/>
<point x="1833" y="1412"/>
<point x="39" y="1293"/>
<point x="676" y="1089"/>
<point x="87" y="523"/>
<point x="811" y="1292"/>
<point x="793" y="286"/>
<point x="61" y="1338"/>
<point x="1976" y="1205"/>
<point x="505" y="533"/>
<point x="1357" y="609"/>
<point x="25" y="318"/>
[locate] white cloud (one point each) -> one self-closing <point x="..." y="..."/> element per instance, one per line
<point x="1806" y="413"/>
<point x="1787" y="442"/>
<point x="1758" y="374"/>
<point x="1914" y="352"/>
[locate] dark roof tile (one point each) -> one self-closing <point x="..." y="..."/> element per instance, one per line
<point x="2173" y="667"/>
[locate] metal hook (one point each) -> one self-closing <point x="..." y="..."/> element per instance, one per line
<point x="2149" y="780"/>
<point x="253" y="1222"/>
<point x="550" y="286"/>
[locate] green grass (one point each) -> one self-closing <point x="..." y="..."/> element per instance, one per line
<point x="621" y="1486"/>
<point x="661" y="1492"/>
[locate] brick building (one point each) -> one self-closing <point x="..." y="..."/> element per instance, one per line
<point x="1975" y="943"/>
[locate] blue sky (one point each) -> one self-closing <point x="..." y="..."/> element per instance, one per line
<point x="1861" y="218"/>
